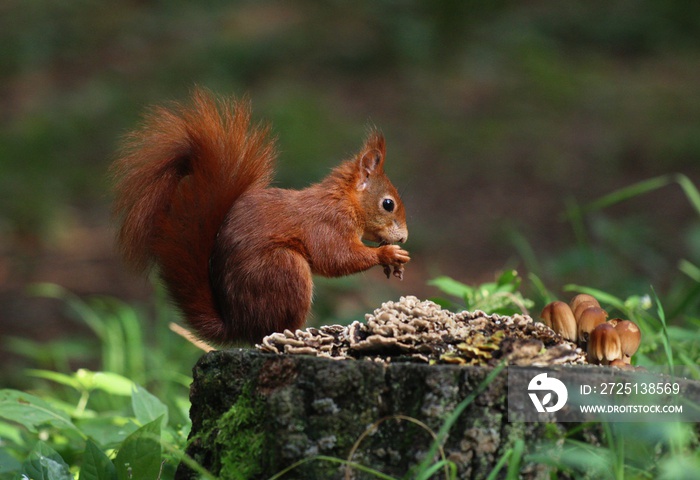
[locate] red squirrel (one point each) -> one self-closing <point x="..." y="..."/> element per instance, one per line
<point x="193" y="197"/>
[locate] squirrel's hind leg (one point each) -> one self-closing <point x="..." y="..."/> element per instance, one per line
<point x="274" y="297"/>
<point x="291" y="291"/>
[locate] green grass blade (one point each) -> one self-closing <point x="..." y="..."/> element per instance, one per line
<point x="664" y="329"/>
<point x="627" y="193"/>
<point x="499" y="465"/>
<point x="690" y="190"/>
<point x="353" y="465"/>
<point x="525" y="251"/>
<point x="134" y="363"/>
<point x="600" y="295"/>
<point x="435" y="468"/>
<point x="640" y="188"/>
<point x="541" y="289"/>
<point x="515" y="458"/>
<point x="574" y="213"/>
<point x="690" y="269"/>
<point x="57" y="377"/>
<point x="81" y="309"/>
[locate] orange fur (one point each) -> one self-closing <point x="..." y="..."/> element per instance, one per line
<point x="193" y="198"/>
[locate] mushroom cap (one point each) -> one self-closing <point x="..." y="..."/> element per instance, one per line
<point x="589" y="319"/>
<point x="560" y="318"/>
<point x="604" y="345"/>
<point x="630" y="337"/>
<point x="619" y="363"/>
<point x="580" y="298"/>
<point x="582" y="307"/>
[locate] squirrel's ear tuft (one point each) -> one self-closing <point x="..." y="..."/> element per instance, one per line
<point x="375" y="141"/>
<point x="371" y="161"/>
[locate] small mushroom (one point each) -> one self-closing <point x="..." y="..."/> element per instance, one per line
<point x="582" y="298"/>
<point x="559" y="317"/>
<point x="614" y="321"/>
<point x="630" y="338"/>
<point x="620" y="363"/>
<point x="604" y="345"/>
<point x="582" y="307"/>
<point x="589" y="319"/>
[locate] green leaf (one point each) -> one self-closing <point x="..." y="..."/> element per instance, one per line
<point x="508" y="277"/>
<point x="140" y="454"/>
<point x="451" y="287"/>
<point x="31" y="411"/>
<point x="107" y="431"/>
<point x="106" y="381"/>
<point x="113" y="383"/>
<point x="147" y="407"/>
<point x="96" y="464"/>
<point x="8" y="463"/>
<point x="43" y="463"/>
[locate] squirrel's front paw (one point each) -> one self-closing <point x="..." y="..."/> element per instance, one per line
<point x="393" y="256"/>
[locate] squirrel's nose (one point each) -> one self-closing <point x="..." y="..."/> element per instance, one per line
<point x="404" y="236"/>
<point x="402" y="231"/>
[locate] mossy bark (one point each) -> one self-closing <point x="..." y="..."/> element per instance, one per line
<point x="256" y="414"/>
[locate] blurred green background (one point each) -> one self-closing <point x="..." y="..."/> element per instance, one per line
<point x="500" y="117"/>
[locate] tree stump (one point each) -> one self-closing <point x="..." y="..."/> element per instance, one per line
<point x="376" y="393"/>
<point x="255" y="414"/>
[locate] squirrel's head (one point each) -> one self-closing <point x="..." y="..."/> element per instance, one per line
<point x="385" y="216"/>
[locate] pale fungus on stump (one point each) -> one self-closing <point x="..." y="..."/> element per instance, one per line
<point x="422" y="331"/>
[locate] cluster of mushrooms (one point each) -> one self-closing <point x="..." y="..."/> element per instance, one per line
<point x="582" y="321"/>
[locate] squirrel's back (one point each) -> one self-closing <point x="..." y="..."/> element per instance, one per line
<point x="176" y="181"/>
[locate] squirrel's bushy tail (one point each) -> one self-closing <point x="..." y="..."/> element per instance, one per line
<point x="177" y="179"/>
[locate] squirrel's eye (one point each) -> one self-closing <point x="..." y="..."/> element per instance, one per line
<point x="388" y="205"/>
